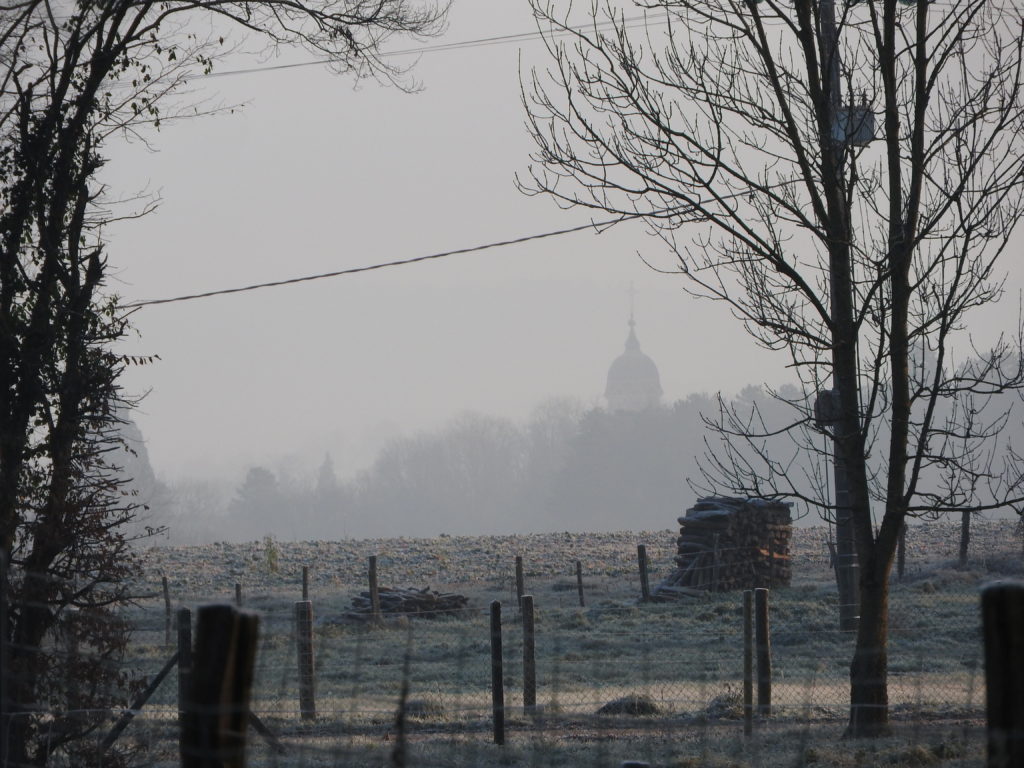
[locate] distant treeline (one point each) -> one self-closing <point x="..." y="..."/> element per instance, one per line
<point x="567" y="468"/>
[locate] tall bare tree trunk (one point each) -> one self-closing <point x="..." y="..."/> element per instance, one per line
<point x="869" y="695"/>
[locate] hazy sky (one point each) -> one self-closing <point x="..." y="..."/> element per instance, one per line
<point x="313" y="176"/>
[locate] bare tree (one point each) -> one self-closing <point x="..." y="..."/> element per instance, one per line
<point x="845" y="179"/>
<point x="73" y="75"/>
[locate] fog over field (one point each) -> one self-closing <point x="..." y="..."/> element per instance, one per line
<point x="464" y="394"/>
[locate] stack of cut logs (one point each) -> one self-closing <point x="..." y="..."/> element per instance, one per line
<point x="727" y="544"/>
<point x="409" y="601"/>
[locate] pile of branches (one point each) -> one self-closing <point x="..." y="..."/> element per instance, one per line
<point x="409" y="601"/>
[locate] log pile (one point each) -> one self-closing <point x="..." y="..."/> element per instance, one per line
<point x="727" y="544"/>
<point x="409" y="601"/>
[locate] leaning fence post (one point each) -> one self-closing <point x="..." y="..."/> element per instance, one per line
<point x="1002" y="614"/>
<point x="167" y="612"/>
<point x="579" y="582"/>
<point x="304" y="656"/>
<point x="645" y="586"/>
<point x="497" y="677"/>
<point x="529" y="658"/>
<point x="137" y="704"/>
<point x="764" y="653"/>
<point x="217" y="712"/>
<point x="374" y="591"/>
<point x="748" y="663"/>
<point x="520" y="583"/>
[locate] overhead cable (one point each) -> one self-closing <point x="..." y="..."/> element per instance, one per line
<point x="598" y="225"/>
<point x="629" y="22"/>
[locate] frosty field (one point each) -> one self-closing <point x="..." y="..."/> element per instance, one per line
<point x="684" y="658"/>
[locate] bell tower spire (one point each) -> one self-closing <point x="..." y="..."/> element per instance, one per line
<point x="633" y="380"/>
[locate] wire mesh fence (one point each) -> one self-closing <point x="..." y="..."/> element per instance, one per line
<point x="615" y="679"/>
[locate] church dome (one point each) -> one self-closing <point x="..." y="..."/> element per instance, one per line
<point x="633" y="380"/>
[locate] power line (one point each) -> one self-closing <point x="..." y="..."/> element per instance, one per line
<point x="441" y="47"/>
<point x="595" y="225"/>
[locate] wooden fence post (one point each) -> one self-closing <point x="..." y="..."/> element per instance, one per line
<point x="965" y="538"/>
<point x="579" y="582"/>
<point x="304" y="657"/>
<point x="167" y="612"/>
<point x="1002" y="615"/>
<point x="217" y="712"/>
<point x="748" y="663"/>
<point x="238" y="594"/>
<point x="305" y="582"/>
<point x="764" y="653"/>
<point x="520" y="583"/>
<point x="529" y="658"/>
<point x="374" y="591"/>
<point x="497" y="677"/>
<point x="645" y="585"/>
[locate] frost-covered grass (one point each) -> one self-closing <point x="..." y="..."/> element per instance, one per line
<point x="685" y="657"/>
